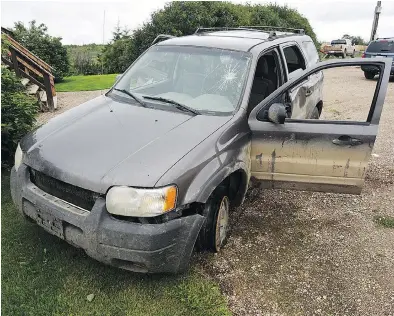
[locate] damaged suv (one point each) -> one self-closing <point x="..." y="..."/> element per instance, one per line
<point x="142" y="175"/>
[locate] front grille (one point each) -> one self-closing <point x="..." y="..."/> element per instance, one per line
<point x="75" y="195"/>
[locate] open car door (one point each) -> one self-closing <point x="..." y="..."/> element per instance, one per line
<point x="315" y="154"/>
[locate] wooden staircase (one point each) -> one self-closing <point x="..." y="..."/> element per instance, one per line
<point x="36" y="75"/>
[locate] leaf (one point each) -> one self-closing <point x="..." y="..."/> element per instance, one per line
<point x="90" y="297"/>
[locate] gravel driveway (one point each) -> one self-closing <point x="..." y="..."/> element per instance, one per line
<point x="304" y="253"/>
<point x="68" y="100"/>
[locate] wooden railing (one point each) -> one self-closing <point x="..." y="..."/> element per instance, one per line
<point x="28" y="65"/>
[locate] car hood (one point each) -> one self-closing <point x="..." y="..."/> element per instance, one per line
<point x="104" y="142"/>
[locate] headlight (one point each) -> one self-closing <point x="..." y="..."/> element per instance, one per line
<point x="18" y="157"/>
<point x="128" y="201"/>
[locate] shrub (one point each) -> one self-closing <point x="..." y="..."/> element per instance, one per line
<point x="184" y="17"/>
<point x="50" y="49"/>
<point x="18" y="111"/>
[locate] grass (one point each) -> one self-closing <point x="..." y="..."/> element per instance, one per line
<point x="86" y="83"/>
<point x="43" y="275"/>
<point x="385" y="221"/>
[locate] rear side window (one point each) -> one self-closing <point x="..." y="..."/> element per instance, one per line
<point x="311" y="52"/>
<point x="294" y="59"/>
<point x="381" y="47"/>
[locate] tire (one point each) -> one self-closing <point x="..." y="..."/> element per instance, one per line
<point x="369" y="75"/>
<point x="315" y="114"/>
<point x="344" y="54"/>
<point x="214" y="232"/>
<point x="354" y="53"/>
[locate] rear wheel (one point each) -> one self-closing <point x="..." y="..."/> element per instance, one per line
<point x="344" y="54"/>
<point x="213" y="233"/>
<point x="369" y="75"/>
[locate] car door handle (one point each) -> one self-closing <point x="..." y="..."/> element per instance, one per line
<point x="346" y="140"/>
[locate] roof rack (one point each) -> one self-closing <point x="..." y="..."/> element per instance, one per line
<point x="161" y="36"/>
<point x="275" y="28"/>
<point x="251" y="28"/>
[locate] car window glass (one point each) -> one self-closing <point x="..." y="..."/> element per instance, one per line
<point x="153" y="69"/>
<point x="294" y="59"/>
<point x="206" y="79"/>
<point x="338" y="94"/>
<point x="311" y="52"/>
<point x="381" y="47"/>
<point x="338" y="42"/>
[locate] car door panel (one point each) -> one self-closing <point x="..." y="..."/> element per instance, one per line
<point x="330" y="156"/>
<point x="304" y="156"/>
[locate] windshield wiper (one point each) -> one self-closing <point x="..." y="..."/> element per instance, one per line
<point x="178" y="105"/>
<point x="133" y="96"/>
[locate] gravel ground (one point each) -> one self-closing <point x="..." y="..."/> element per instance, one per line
<point x="67" y="100"/>
<point x="305" y="253"/>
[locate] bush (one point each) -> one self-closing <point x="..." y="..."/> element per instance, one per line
<point x="48" y="48"/>
<point x="181" y="18"/>
<point x="18" y="111"/>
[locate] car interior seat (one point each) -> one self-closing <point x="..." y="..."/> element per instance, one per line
<point x="264" y="82"/>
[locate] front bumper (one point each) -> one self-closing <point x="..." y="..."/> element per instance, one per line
<point x="151" y="248"/>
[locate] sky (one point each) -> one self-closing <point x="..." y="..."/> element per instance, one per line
<point x="83" y="22"/>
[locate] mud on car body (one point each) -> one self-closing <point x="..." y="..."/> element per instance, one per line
<point x="141" y="176"/>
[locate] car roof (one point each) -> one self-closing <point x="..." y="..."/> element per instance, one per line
<point x="241" y="40"/>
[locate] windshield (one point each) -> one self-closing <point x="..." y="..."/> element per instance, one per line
<point x="381" y="46"/>
<point x="203" y="79"/>
<point x="336" y="42"/>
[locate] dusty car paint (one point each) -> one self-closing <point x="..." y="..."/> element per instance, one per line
<point x="310" y="155"/>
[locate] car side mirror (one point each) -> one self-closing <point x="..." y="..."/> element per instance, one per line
<point x="277" y="113"/>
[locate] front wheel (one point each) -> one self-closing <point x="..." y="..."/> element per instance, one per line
<point x="353" y="54"/>
<point x="369" y="75"/>
<point x="213" y="233"/>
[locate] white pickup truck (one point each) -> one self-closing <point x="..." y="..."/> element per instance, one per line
<point x="340" y="47"/>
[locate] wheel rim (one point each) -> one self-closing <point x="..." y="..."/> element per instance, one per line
<point x="222" y="223"/>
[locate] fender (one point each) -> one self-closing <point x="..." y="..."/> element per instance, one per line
<point x="202" y="187"/>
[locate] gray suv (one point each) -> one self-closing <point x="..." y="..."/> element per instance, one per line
<point x="142" y="175"/>
<point x="380" y="48"/>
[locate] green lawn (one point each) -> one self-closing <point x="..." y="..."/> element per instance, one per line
<point x="43" y="275"/>
<point x="85" y="83"/>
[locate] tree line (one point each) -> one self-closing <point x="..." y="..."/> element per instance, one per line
<point x="175" y="18"/>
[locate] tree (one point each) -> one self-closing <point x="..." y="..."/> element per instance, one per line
<point x="356" y="40"/>
<point x="50" y="49"/>
<point x="184" y="17"/>
<point x="118" y="54"/>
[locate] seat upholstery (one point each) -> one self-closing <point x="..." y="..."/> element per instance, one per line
<point x="263" y="84"/>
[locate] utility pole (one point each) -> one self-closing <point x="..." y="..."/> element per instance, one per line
<point x="102" y="66"/>
<point x="378" y="10"/>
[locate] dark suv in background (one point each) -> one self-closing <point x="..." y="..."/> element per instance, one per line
<point x="382" y="47"/>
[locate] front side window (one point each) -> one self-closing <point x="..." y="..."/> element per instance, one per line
<point x="204" y="79"/>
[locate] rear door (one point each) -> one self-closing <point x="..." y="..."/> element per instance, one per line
<point x="317" y="155"/>
<point x="305" y="96"/>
